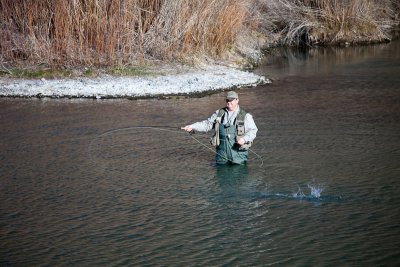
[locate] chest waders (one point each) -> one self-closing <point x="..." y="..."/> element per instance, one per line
<point x="224" y="139"/>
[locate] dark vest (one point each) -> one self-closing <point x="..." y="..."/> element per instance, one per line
<point x="227" y="150"/>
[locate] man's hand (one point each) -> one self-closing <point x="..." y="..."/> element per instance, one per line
<point x="187" y="128"/>
<point x="240" y="141"/>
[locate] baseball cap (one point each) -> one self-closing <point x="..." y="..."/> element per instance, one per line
<point x="232" y="95"/>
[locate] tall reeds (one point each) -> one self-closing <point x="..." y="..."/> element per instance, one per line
<point x="202" y="27"/>
<point x="66" y="33"/>
<point x="108" y="32"/>
<point x="100" y="32"/>
<point x="325" y="21"/>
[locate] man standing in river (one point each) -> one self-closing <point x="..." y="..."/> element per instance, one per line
<point x="234" y="128"/>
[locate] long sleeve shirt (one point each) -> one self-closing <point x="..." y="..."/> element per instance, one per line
<point x="229" y="118"/>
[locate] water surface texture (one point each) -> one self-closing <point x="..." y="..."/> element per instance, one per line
<point x="89" y="183"/>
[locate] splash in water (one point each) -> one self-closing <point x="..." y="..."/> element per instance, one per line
<point x="299" y="193"/>
<point x="315" y="190"/>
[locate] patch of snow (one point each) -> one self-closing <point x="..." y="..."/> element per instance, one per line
<point x="208" y="79"/>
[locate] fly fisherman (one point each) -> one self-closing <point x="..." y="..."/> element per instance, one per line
<point x="234" y="128"/>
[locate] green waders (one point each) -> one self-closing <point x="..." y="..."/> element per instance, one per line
<point x="228" y="150"/>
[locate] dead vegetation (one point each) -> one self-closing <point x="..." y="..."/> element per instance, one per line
<point x="67" y="34"/>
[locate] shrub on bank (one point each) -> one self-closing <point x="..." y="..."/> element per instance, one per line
<point x="332" y="22"/>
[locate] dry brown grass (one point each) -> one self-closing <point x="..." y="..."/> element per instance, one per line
<point x="325" y="21"/>
<point x="57" y="32"/>
<point x="107" y="32"/>
<point x="357" y="20"/>
<point x="65" y="33"/>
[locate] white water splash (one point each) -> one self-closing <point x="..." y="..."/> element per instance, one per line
<point x="299" y="193"/>
<point x="315" y="190"/>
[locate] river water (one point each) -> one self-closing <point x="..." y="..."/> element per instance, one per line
<point x="116" y="183"/>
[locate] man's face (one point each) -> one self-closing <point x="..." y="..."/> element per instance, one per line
<point x="231" y="104"/>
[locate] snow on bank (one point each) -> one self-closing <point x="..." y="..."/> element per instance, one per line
<point x="212" y="78"/>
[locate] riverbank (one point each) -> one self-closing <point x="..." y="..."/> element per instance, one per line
<point x="64" y="36"/>
<point x="183" y="82"/>
<point x="68" y="34"/>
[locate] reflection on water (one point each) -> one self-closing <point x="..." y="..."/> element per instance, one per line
<point x="83" y="183"/>
<point x="376" y="60"/>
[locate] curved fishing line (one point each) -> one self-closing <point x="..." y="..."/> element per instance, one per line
<point x="160" y="128"/>
<point x="174" y="130"/>
<point x="213" y="150"/>
<point x="259" y="157"/>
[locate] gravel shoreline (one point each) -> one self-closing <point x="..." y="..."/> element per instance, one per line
<point x="211" y="78"/>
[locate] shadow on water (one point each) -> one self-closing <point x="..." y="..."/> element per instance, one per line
<point x="232" y="179"/>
